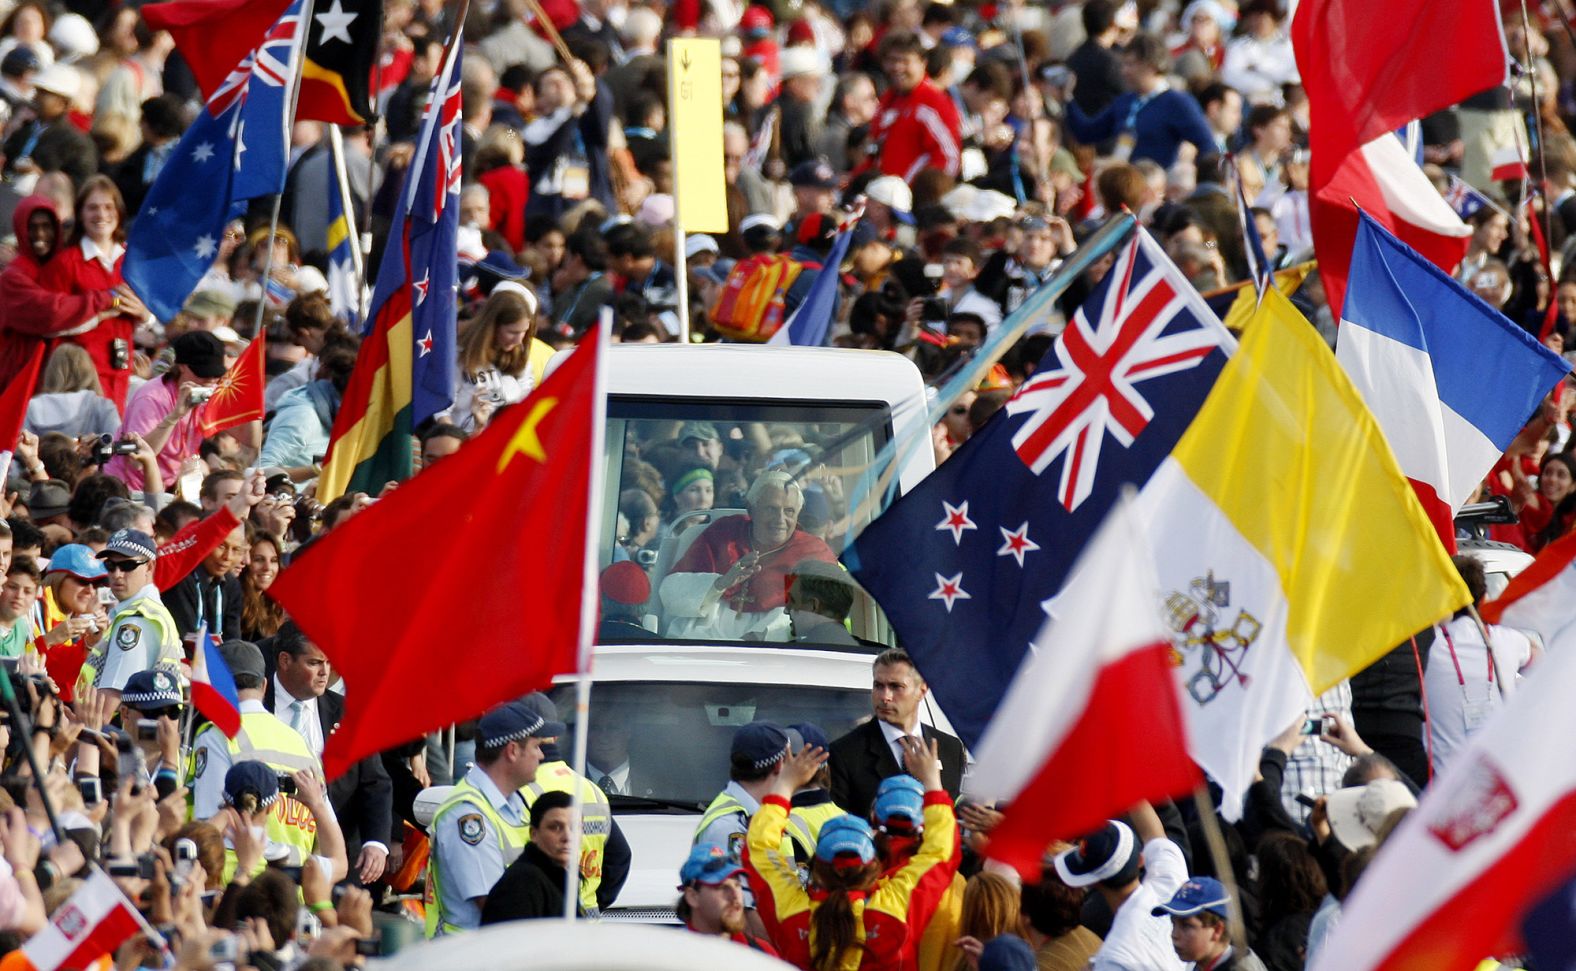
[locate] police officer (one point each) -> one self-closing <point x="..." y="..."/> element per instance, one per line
<point x="604" y="853"/>
<point x="754" y="760"/>
<point x="812" y="805"/>
<point x="142" y="634"/>
<point x="301" y="823"/>
<point x="483" y="824"/>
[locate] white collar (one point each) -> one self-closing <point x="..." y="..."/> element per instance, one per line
<point x="284" y="699"/>
<point x="750" y="803"/>
<point x="892" y="733"/>
<point x="91" y="251"/>
<point x="253" y="706"/>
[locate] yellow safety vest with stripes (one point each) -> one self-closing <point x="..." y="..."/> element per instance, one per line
<point x="726" y="805"/>
<point x="596" y="824"/>
<point x="264" y="738"/>
<point x="804" y="826"/>
<point x="511" y="840"/>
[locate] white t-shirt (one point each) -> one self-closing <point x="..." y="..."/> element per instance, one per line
<point x="1458" y="706"/>
<point x="1140" y="941"/>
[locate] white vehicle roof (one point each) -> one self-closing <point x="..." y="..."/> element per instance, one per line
<point x="557" y="945"/>
<point x="727" y="664"/>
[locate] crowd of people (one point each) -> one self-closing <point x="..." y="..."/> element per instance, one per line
<point x="979" y="144"/>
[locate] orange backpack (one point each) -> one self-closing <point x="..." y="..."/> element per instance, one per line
<point x="750" y="307"/>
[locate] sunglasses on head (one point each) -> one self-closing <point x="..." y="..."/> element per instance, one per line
<point x="123" y="566"/>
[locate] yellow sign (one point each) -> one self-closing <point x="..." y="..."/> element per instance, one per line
<point x="695" y="133"/>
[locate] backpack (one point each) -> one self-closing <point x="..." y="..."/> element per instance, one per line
<point x="751" y="305"/>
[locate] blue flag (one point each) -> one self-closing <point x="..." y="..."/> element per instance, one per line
<point x="1550" y="930"/>
<point x="963" y="564"/>
<point x="810" y="323"/>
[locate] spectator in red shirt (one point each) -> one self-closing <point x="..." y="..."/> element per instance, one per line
<point x="917" y="125"/>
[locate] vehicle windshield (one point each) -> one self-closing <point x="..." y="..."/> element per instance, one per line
<point x="723" y="521"/>
<point x="664" y="744"/>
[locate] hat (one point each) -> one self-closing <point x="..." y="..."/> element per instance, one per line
<point x="698" y="243"/>
<point x="761" y="744"/>
<point x="520" y="290"/>
<point x="1007" y="952"/>
<point x="72" y="37"/>
<point x="77" y="561"/>
<point x="50" y="497"/>
<point x="845" y="836"/>
<point x="958" y="37"/>
<point x="626" y="583"/>
<point x="817" y="231"/>
<point x="900" y="797"/>
<point x="891" y="191"/>
<point x="151" y="690"/>
<point x="1207" y="8"/>
<point x="813" y="174"/>
<point x="656" y="211"/>
<point x="802" y="735"/>
<point x="1066" y="163"/>
<point x="756" y="21"/>
<point x="200" y="351"/>
<point x="243" y="657"/>
<point x="703" y="431"/>
<point x="760" y="220"/>
<point x="494" y="268"/>
<point x="18" y="61"/>
<point x="1198" y="894"/>
<point x="133" y="543"/>
<point x="1357" y="813"/>
<point x="209" y="303"/>
<point x="1099" y="856"/>
<point x="541" y="704"/>
<point x="795" y="62"/>
<point x="801" y="31"/>
<point x="710" y="864"/>
<point x="512" y="722"/>
<point x="254" y="777"/>
<point x="61" y="79"/>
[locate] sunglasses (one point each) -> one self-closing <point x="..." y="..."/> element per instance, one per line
<point x="123" y="566"/>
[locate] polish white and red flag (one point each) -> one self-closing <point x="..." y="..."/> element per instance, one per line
<point x="1092" y="724"/>
<point x="94" y="921"/>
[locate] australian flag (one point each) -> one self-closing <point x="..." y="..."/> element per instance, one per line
<point x="963" y="564"/>
<point x="1465" y="200"/>
<point x="236" y="150"/>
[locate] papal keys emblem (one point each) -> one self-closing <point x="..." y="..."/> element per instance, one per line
<point x="1202" y="636"/>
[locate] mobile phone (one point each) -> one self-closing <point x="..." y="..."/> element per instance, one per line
<point x="147" y="729"/>
<point x="369" y="947"/>
<point x="128" y="761"/>
<point x="147" y="866"/>
<point x="224" y="950"/>
<point x="287" y="785"/>
<point x="92" y="790"/>
<point x="1306" y="800"/>
<point x="185" y="856"/>
<point x="1312" y="726"/>
<point x="308" y="927"/>
<point x="107" y="597"/>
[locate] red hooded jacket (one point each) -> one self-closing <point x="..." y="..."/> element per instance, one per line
<point x="29" y="314"/>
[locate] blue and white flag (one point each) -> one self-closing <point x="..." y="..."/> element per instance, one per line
<point x="810" y="323"/>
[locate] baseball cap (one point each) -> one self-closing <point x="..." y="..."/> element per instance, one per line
<point x="243" y="657"/>
<point x="133" y="543"/>
<point x="796" y="62"/>
<point x="151" y="690"/>
<point x="1197" y="895"/>
<point x="761" y="744"/>
<point x="78" y="561"/>
<point x="803" y="735"/>
<point x="18" y="61"/>
<point x="541" y="704"/>
<point x="958" y="37"/>
<point x="760" y="220"/>
<point x="512" y="722"/>
<point x="1103" y="854"/>
<point x="626" y="583"/>
<point x="209" y="303"/>
<point x="1357" y="813"/>
<point x="254" y="777"/>
<point x="708" y="863"/>
<point x="200" y="351"/>
<point x="900" y="799"/>
<point x="891" y="191"/>
<point x="48" y="498"/>
<point x="697" y="243"/>
<point x="848" y="837"/>
<point x="756" y="20"/>
<point x="59" y="79"/>
<point x="813" y="173"/>
<point x="817" y="230"/>
<point x="72" y="37"/>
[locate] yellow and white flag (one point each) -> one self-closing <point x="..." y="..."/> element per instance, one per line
<point x="1291" y="551"/>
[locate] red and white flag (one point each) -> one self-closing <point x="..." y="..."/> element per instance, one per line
<point x="94" y="921"/>
<point x="1092" y="723"/>
<point x="1542" y="597"/>
<point x="1491" y="838"/>
<point x="1508" y="164"/>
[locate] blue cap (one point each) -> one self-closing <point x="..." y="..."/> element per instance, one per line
<point x="151" y="690"/>
<point x="513" y="722"/>
<point x="254" y="777"/>
<point x="708" y="863"/>
<point x="802" y="735"/>
<point x="759" y="743"/>
<point x="132" y="543"/>
<point x="845" y="835"/>
<point x="1106" y="853"/>
<point x="78" y="561"/>
<point x="900" y="797"/>
<point x="1198" y="894"/>
<point x="958" y="37"/>
<point x="1007" y="952"/>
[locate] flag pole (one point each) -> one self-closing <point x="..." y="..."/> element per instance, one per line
<point x="680" y="256"/>
<point x="590" y="608"/>
<point x="1216" y="842"/>
<point x="298" y="55"/>
<point x="336" y="147"/>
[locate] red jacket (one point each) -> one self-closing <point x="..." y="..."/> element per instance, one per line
<point x="71" y="272"/>
<point x="916" y="131"/>
<point x="508" y="190"/>
<point x="189" y="547"/>
<point x="30" y="314"/>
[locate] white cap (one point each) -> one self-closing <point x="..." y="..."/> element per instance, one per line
<point x="657" y="210"/>
<point x="697" y="243"/>
<point x="889" y="190"/>
<point x="757" y="219"/>
<point x="227" y="335"/>
<point x="73" y="37"/>
<point x="799" y="60"/>
<point x="1357" y="813"/>
<point x="59" y="79"/>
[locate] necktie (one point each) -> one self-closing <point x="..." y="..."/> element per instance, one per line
<point x="298" y="717"/>
<point x="607" y="785"/>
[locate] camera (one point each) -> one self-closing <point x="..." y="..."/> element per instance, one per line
<point x="147" y="730"/>
<point x="933" y="313"/>
<point x="287" y="785"/>
<point x="199" y="395"/>
<point x="225" y="951"/>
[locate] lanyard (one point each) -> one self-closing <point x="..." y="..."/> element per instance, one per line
<point x="218" y="602"/>
<point x="1132" y="114"/>
<point x="1451" y="645"/>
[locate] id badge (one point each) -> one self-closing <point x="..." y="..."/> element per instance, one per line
<point x="1124" y="147"/>
<point x="574" y="180"/>
<point x="1475" y="714"/>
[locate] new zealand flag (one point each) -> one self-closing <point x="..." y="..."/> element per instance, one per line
<point x="964" y="564"/>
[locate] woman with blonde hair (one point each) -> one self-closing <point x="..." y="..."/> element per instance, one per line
<point x="500" y="359"/>
<point x="500" y="166"/>
<point x="70" y="398"/>
<point x="991" y="908"/>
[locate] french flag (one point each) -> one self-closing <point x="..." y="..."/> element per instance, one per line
<point x="1463" y="877"/>
<point x="213" y="687"/>
<point x="1095" y="700"/>
<point x="1450" y="379"/>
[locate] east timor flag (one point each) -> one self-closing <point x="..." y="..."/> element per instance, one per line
<point x="342" y="42"/>
<point x="521" y="487"/>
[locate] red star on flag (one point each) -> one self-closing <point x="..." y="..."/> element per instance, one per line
<point x="421" y="288"/>
<point x="950" y="589"/>
<point x="425" y="343"/>
<point x="1016" y="542"/>
<point x="957" y="519"/>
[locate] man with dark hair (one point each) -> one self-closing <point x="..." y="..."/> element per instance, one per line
<point x="534" y="885"/>
<point x="1222" y="106"/>
<point x="162" y="124"/>
<point x="211" y="594"/>
<point x="754" y="760"/>
<point x="580" y="284"/>
<point x="1110" y="860"/>
<point x="1149" y="121"/>
<point x="872" y="752"/>
<point x="218" y="488"/>
<point x="440" y="441"/>
<point x="1093" y="63"/>
<point x="917" y="126"/>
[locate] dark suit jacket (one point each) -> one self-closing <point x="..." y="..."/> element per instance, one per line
<point x="363" y="798"/>
<point x="862" y="758"/>
<point x="182" y="598"/>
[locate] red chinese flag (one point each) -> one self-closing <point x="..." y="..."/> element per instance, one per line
<point x="483" y="566"/>
<point x="238" y="398"/>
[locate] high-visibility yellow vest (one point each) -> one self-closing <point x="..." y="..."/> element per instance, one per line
<point x="167" y="654"/>
<point x="511" y="840"/>
<point x="804" y="826"/>
<point x="726" y="805"/>
<point x="596" y="824"/>
<point x="264" y="738"/>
